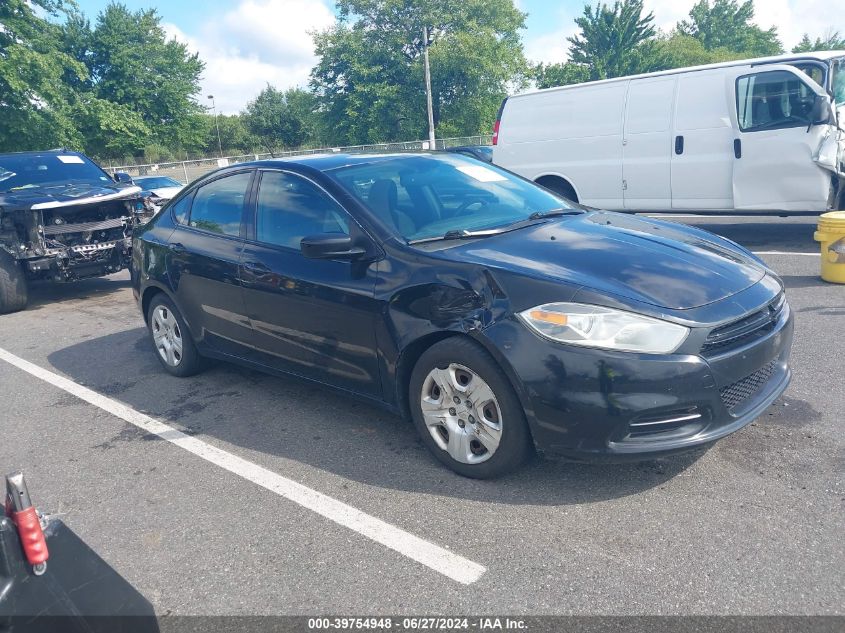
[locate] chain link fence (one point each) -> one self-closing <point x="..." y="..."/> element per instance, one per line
<point x="189" y="170"/>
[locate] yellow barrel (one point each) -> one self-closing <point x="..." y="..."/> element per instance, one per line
<point x="831" y="234"/>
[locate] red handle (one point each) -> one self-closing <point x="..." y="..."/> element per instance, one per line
<point x="31" y="535"/>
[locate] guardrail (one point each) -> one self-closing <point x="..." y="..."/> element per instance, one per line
<point x="188" y="170"/>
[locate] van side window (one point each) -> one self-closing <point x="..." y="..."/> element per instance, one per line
<point x="773" y="100"/>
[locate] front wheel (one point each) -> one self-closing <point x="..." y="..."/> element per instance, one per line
<point x="466" y="410"/>
<point x="171" y="339"/>
<point x="14" y="293"/>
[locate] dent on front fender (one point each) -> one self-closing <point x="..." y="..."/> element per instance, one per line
<point x="830" y="154"/>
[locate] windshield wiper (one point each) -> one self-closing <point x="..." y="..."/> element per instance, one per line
<point x="464" y="234"/>
<point x="554" y="213"/>
<point x="457" y="234"/>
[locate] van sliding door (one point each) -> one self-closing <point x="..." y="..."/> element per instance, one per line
<point x="702" y="146"/>
<point x="647" y="144"/>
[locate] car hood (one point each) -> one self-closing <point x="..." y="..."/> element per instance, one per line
<point x="659" y="263"/>
<point x="66" y="194"/>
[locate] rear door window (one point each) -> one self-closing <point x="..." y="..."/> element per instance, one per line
<point x="218" y="206"/>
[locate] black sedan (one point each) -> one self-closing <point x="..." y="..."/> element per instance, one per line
<point x="495" y="315"/>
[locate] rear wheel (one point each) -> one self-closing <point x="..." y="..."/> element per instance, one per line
<point x="14" y="294"/>
<point x="466" y="411"/>
<point x="172" y="341"/>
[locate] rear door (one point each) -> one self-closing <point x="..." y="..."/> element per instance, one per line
<point x="702" y="143"/>
<point x="311" y="317"/>
<point x="774" y="166"/>
<point x="647" y="144"/>
<point x="204" y="253"/>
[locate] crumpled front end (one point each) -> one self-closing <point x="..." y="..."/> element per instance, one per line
<point x="66" y="242"/>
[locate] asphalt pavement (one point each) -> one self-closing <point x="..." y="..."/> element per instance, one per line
<point x="754" y="525"/>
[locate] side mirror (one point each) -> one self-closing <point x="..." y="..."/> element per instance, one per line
<point x="820" y="113"/>
<point x="330" y="246"/>
<point x="121" y="176"/>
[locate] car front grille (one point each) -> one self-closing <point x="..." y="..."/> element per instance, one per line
<point x="735" y="394"/>
<point x="746" y="330"/>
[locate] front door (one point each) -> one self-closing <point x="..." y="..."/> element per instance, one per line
<point x="776" y="143"/>
<point x="205" y="250"/>
<point x="311" y="317"/>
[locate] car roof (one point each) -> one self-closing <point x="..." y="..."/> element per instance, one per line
<point x="331" y="161"/>
<point x="59" y="150"/>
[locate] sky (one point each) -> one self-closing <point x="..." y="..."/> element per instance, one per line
<point x="249" y="43"/>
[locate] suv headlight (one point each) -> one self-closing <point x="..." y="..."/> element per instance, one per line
<point x="606" y="328"/>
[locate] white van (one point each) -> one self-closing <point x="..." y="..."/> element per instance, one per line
<point x="756" y="135"/>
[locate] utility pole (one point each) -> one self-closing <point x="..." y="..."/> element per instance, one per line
<point x="217" y="125"/>
<point x="431" y="139"/>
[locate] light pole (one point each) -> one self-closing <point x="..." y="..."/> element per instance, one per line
<point x="217" y="125"/>
<point x="431" y="139"/>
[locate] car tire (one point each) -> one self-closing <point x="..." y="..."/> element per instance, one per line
<point x="172" y="342"/>
<point x="14" y="293"/>
<point x="482" y="439"/>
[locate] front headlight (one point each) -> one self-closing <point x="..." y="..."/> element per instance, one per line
<point x="596" y="326"/>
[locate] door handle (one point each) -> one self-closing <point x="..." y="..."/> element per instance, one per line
<point x="737" y="148"/>
<point x="177" y="247"/>
<point x="679" y="145"/>
<point x="256" y="268"/>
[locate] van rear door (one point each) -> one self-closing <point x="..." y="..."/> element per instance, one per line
<point x="774" y="166"/>
<point x="647" y="144"/>
<point x="702" y="144"/>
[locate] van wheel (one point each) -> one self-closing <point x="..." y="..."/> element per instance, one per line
<point x="14" y="293"/>
<point x="466" y="410"/>
<point x="172" y="341"/>
<point x="559" y="186"/>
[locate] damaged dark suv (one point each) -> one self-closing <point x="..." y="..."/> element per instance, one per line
<point x="62" y="218"/>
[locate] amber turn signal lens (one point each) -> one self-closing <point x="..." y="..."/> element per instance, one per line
<point x="554" y="318"/>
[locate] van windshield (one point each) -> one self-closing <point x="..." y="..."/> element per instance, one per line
<point x="426" y="196"/>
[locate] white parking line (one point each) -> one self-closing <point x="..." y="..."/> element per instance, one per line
<point x="433" y="556"/>
<point x="787" y="253"/>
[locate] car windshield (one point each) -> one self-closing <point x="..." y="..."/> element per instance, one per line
<point x="157" y="182"/>
<point x="428" y="196"/>
<point x="27" y="171"/>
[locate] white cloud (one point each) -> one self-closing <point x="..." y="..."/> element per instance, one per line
<point x="255" y="43"/>
<point x="792" y="18"/>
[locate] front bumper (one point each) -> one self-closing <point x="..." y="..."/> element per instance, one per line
<point x="593" y="404"/>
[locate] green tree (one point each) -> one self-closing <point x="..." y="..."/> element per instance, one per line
<point x="551" y="75"/>
<point x="235" y="137"/>
<point x="615" y="41"/>
<point x="35" y="101"/>
<point x="109" y="130"/>
<point x="132" y="63"/>
<point x="830" y="42"/>
<point x="679" y="50"/>
<point x="727" y="24"/>
<point x="369" y="79"/>
<point x="275" y="118"/>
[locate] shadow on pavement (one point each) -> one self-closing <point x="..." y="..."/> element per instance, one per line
<point x="43" y="293"/>
<point x="316" y="426"/>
